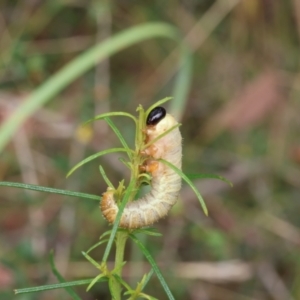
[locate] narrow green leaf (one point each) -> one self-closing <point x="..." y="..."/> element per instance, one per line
<point x="94" y="281"/>
<point x="134" y="296"/>
<point x="148" y="277"/>
<point x="59" y="277"/>
<point x="209" y="176"/>
<point x="108" y="232"/>
<point x="119" y="135"/>
<point x="91" y="260"/>
<point x="189" y="182"/>
<point x="107" y="181"/>
<point x="53" y="286"/>
<point x="150" y="231"/>
<point x="44" y="189"/>
<point x="154" y="266"/>
<point x="147" y="297"/>
<point x="96" y="245"/>
<point x="158" y="103"/>
<point x="126" y="163"/>
<point x="94" y="156"/>
<point x="111" y="114"/>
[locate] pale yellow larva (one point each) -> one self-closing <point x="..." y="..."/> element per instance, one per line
<point x="165" y="183"/>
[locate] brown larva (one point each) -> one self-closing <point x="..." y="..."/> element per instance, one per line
<point x="165" y="183"/>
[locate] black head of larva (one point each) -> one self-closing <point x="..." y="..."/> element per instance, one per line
<point x="156" y="115"/>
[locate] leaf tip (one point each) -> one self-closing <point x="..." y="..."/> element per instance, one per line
<point x="69" y="174"/>
<point x="206" y="211"/>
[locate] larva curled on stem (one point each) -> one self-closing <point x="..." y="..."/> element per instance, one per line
<point x="165" y="183"/>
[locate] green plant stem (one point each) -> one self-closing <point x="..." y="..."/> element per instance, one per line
<point x="119" y="261"/>
<point x="121" y="236"/>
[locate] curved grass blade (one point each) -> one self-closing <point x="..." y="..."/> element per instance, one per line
<point x="54" y="286"/>
<point x="92" y="157"/>
<point x="158" y="103"/>
<point x="44" y="189"/>
<point x="153" y="265"/>
<point x="189" y="182"/>
<point x="59" y="277"/>
<point x="119" y="135"/>
<point x="96" y="245"/>
<point x="110" y="114"/>
<point x="108" y="232"/>
<point x="94" y="281"/>
<point x="209" y="176"/>
<point x="77" y="67"/>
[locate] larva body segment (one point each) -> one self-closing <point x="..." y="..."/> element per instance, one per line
<point x="165" y="183"/>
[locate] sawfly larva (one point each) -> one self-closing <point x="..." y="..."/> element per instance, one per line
<point x="165" y="183"/>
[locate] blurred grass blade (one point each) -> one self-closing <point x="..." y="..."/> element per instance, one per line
<point x="208" y="176"/>
<point x="53" y="286"/>
<point x="153" y="265"/>
<point x="68" y="289"/>
<point x="189" y="182"/>
<point x="182" y="84"/>
<point x="119" y="135"/>
<point x="79" y="66"/>
<point x="44" y="189"/>
<point x="94" y="156"/>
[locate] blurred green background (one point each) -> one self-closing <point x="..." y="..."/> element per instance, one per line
<point x="240" y="119"/>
